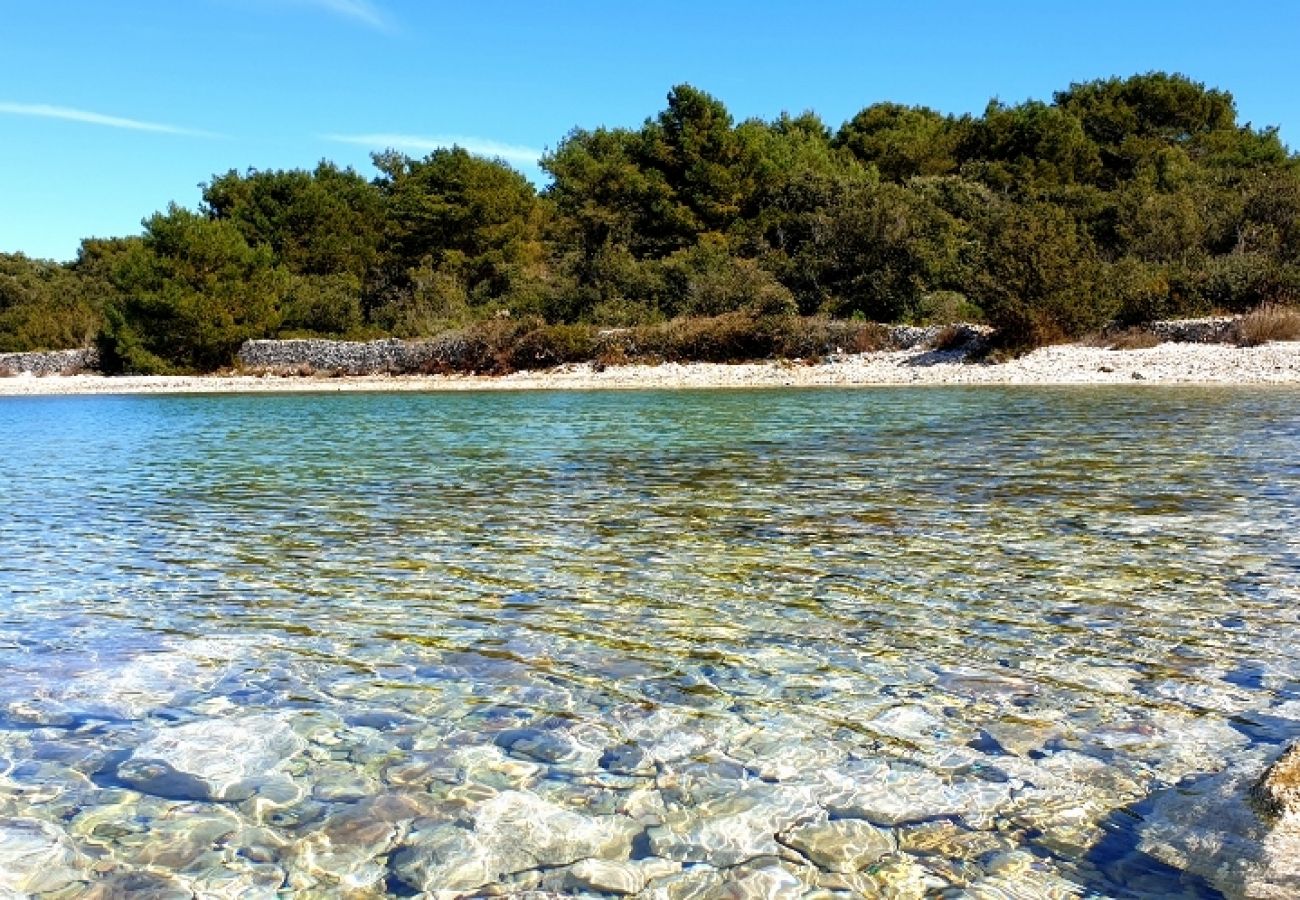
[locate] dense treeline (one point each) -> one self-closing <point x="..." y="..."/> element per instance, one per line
<point x="1122" y="200"/>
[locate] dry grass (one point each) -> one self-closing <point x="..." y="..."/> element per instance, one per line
<point x="1268" y="323"/>
<point x="1134" y="339"/>
<point x="739" y="337"/>
<point x="951" y="337"/>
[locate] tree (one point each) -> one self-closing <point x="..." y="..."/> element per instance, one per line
<point x="1040" y="277"/>
<point x="471" y="218"/>
<point x="325" y="222"/>
<point x="44" y="306"/>
<point x="903" y="141"/>
<point x="191" y="292"/>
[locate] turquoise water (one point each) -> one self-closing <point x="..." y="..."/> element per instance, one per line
<point x="770" y="643"/>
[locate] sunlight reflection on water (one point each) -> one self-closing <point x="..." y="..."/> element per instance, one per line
<point x="770" y="642"/>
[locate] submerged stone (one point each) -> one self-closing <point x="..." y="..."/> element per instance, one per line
<point x="1278" y="789"/>
<point x="512" y="832"/>
<point x="1215" y="827"/>
<point x="732" y="830"/>
<point x="603" y="875"/>
<point x="216" y="759"/>
<point x="36" y="857"/>
<point x="843" y="845"/>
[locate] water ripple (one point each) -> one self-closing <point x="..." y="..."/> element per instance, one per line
<point x="642" y="632"/>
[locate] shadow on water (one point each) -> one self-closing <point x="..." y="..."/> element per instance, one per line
<point x="1117" y="866"/>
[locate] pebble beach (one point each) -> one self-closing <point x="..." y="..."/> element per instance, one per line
<point x="1168" y="363"/>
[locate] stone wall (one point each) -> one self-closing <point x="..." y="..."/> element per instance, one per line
<point x="905" y="337"/>
<point x="347" y="357"/>
<point x="53" y="362"/>
<point x="1209" y="330"/>
<point x="456" y="351"/>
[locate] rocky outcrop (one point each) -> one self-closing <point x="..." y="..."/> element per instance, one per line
<point x="344" y="357"/>
<point x="905" y="337"/>
<point x="463" y="352"/>
<point x="1238" y="830"/>
<point x="1278" y="789"/>
<point x="52" y="362"/>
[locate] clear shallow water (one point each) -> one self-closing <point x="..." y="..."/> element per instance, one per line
<point x="723" y="643"/>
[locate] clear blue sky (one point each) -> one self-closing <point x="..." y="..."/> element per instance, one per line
<point x="108" y="111"/>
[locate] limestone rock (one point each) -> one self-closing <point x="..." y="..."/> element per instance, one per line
<point x="512" y="832"/>
<point x="215" y="759"/>
<point x="843" y="845"/>
<point x="36" y="857"/>
<point x="1211" y="827"/>
<point x="604" y="876"/>
<point x="731" y="830"/>
<point x="1278" y="789"/>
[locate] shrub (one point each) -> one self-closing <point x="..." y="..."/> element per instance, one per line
<point x="946" y="308"/>
<point x="1133" y="339"/>
<point x="738" y="337"/>
<point x="552" y="345"/>
<point x="1243" y="281"/>
<point x="951" y="337"/>
<point x="808" y="337"/>
<point x="1041" y="279"/>
<point x="322" y="305"/>
<point x="1268" y="323"/>
<point x="708" y="281"/>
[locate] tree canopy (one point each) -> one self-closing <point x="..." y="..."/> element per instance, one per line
<point x="1118" y="199"/>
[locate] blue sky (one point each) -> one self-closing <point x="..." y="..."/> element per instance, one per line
<point x="108" y="111"/>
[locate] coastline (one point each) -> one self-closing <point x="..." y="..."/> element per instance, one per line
<point x="1067" y="364"/>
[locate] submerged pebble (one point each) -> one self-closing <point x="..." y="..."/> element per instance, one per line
<point x="806" y="644"/>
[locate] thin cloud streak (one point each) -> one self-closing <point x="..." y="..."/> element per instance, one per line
<point x="478" y="146"/>
<point x="68" y="114"/>
<point x="362" y="11"/>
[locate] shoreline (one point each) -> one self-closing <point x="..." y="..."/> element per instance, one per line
<point x="1067" y="364"/>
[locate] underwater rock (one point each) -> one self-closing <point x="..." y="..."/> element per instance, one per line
<point x="621" y="877"/>
<point x="1278" y="789"/>
<point x="732" y="830"/>
<point x="214" y="759"/>
<point x="129" y="885"/>
<point x="842" y="845"/>
<point x="768" y="882"/>
<point x="895" y="795"/>
<point x="511" y="832"/>
<point x="1218" y="828"/>
<point x="555" y="747"/>
<point x="627" y="759"/>
<point x="36" y="857"/>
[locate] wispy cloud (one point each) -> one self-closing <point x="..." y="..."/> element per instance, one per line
<point x="67" y="113"/>
<point x="361" y="11"/>
<point x="425" y="143"/>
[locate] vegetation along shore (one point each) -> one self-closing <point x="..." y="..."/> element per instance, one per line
<point x="1116" y="203"/>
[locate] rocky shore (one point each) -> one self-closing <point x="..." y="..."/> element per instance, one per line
<point x="1068" y="364"/>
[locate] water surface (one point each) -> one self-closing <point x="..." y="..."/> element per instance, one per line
<point x="768" y="643"/>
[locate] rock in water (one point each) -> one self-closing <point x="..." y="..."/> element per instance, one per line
<point x="512" y="832"/>
<point x="1215" y="827"/>
<point x="35" y="857"/>
<point x="1278" y="789"/>
<point x="843" y="845"/>
<point x="216" y="759"/>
